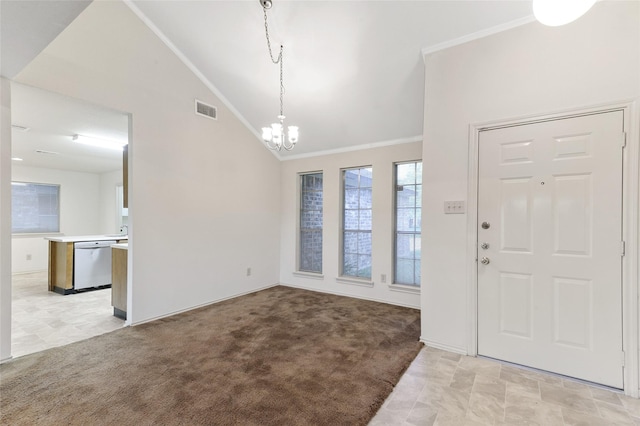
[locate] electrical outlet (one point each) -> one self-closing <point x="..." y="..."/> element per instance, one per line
<point x="454" y="207"/>
<point x="28" y="257"/>
<point x="383" y="278"/>
<point x="248" y="272"/>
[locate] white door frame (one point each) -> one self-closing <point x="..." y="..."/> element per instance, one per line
<point x="630" y="229"/>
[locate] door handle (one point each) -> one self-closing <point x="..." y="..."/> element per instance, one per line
<point x="485" y="261"/>
<point x="484" y="246"/>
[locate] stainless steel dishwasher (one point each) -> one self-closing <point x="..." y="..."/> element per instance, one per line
<point x="92" y="264"/>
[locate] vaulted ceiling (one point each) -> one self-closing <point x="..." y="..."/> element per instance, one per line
<point x="353" y="70"/>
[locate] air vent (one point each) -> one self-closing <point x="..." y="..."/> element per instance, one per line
<point x="21" y="128"/>
<point x="42" y="151"/>
<point x="206" y="110"/>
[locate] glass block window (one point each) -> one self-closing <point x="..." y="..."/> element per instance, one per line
<point x="35" y="208"/>
<point x="310" y="246"/>
<point x="408" y="213"/>
<point x="356" y="222"/>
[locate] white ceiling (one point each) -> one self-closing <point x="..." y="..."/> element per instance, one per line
<point x="52" y="120"/>
<point x="353" y="69"/>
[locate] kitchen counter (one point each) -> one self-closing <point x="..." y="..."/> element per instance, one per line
<point x="62" y="259"/>
<point x="80" y="238"/>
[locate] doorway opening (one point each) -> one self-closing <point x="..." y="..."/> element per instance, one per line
<point x="45" y="129"/>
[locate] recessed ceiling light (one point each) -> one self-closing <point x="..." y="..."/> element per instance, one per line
<point x="16" y="159"/>
<point x="21" y="128"/>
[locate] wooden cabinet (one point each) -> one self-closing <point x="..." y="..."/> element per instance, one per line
<point x="119" y="282"/>
<point x="60" y="267"/>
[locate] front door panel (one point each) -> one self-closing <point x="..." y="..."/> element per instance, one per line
<point x="550" y="286"/>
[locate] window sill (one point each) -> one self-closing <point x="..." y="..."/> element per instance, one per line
<point x="312" y="275"/>
<point x="404" y="288"/>
<point x="354" y="281"/>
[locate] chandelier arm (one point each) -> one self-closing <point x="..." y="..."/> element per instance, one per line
<point x="274" y="146"/>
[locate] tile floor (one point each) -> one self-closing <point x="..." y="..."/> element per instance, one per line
<point x="42" y="319"/>
<point x="443" y="388"/>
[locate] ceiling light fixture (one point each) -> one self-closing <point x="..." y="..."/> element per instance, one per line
<point x="99" y="142"/>
<point x="275" y="135"/>
<point x="560" y="12"/>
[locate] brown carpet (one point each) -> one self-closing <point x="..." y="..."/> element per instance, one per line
<point x="281" y="356"/>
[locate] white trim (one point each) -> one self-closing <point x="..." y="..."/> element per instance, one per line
<point x="630" y="274"/>
<point x="631" y="215"/>
<point x="354" y="281"/>
<point x="312" y="275"/>
<point x="196" y="71"/>
<point x="404" y="288"/>
<point x="472" y="242"/>
<point x="212" y="302"/>
<point x="443" y="347"/>
<point x="477" y="35"/>
<point x="354" y="296"/>
<point x="354" y="148"/>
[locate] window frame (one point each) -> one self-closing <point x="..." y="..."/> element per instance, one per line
<point x="299" y="229"/>
<point x="417" y="204"/>
<point x="351" y="279"/>
<point x="39" y="231"/>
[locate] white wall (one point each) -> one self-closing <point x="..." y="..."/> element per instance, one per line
<point x="5" y="221"/>
<point x="202" y="201"/>
<point x="525" y="71"/>
<point x="80" y="212"/>
<point x="108" y="210"/>
<point x="382" y="160"/>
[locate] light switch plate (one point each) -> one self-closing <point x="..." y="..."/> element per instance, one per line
<point x="454" y="207"/>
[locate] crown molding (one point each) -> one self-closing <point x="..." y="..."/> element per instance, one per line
<point x="477" y="35"/>
<point x="353" y="148"/>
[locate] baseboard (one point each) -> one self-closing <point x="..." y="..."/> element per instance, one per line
<point x="28" y="272"/>
<point x="337" y="293"/>
<point x="2" y="361"/>
<point x="204" y="304"/>
<point x="444" y="347"/>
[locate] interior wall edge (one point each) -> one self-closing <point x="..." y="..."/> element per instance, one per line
<point x="5" y="219"/>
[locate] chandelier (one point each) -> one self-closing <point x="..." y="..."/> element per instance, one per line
<point x="275" y="136"/>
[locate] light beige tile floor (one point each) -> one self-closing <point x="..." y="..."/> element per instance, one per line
<point x="42" y="319"/>
<point x="443" y="388"/>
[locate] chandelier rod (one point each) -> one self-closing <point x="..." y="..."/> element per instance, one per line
<point x="278" y="60"/>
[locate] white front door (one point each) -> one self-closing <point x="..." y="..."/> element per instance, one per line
<point x="550" y="199"/>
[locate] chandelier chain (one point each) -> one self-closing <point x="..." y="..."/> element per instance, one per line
<point x="278" y="60"/>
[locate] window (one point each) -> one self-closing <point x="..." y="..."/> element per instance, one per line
<point x="356" y="222"/>
<point x="35" y="208"/>
<point x="311" y="223"/>
<point x="408" y="201"/>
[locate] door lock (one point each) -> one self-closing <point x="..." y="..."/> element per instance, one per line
<point x="486" y="225"/>
<point x="484" y="246"/>
<point x="485" y="261"/>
